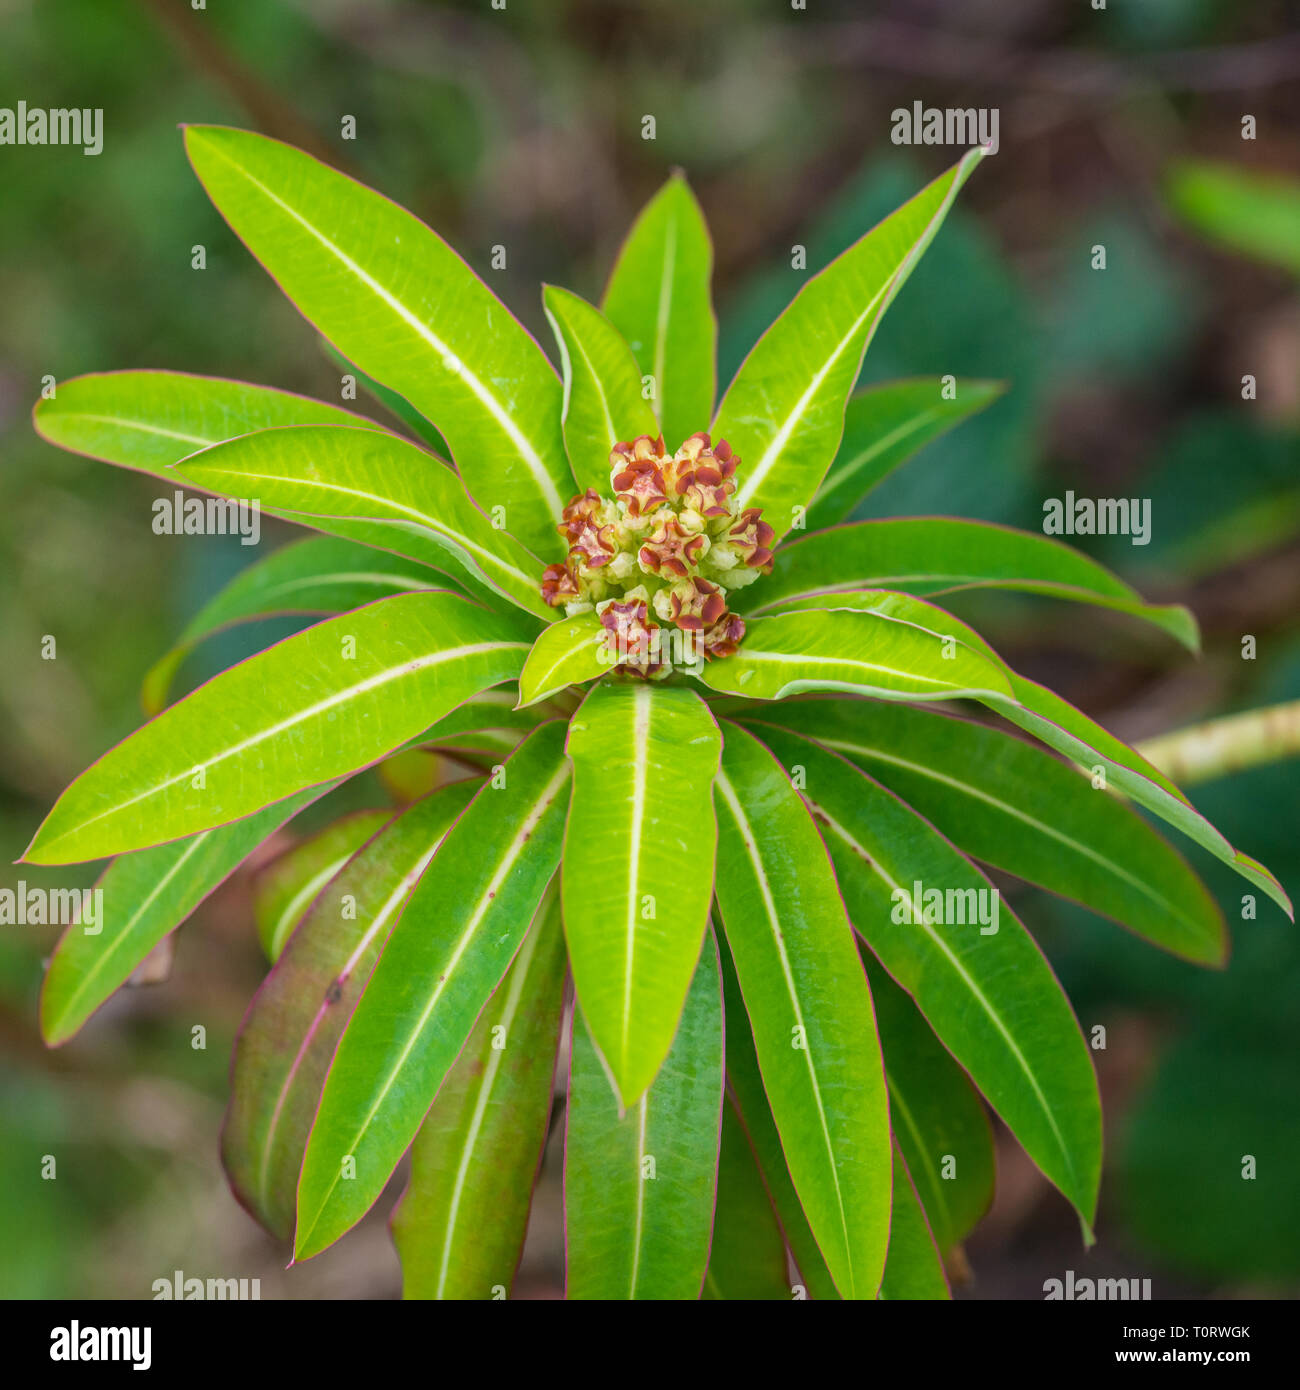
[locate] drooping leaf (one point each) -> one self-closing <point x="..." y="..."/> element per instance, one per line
<point x="747" y="1260"/>
<point x="938" y="1118"/>
<point x="784" y="412"/>
<point x="936" y="555"/>
<point x="639" y="1186"/>
<point x="981" y="982"/>
<point x="913" y="1269"/>
<point x="373" y="487"/>
<point x="638" y="867"/>
<point x="569" y="652"/>
<point x="746" y="1093"/>
<point x="286" y="888"/>
<point x="394" y="298"/>
<point x="886" y="425"/>
<point x="319" y="705"/>
<point x="147" y="420"/>
<point x="602" y="387"/>
<point x="459" y="1227"/>
<point x="658" y="297"/>
<point x="1010" y="804"/>
<point x="294" y="1023"/>
<point x="450" y="949"/>
<point x="146" y="896"/>
<point x="860" y="652"/>
<point x="808" y="1004"/>
<point x="321" y="575"/>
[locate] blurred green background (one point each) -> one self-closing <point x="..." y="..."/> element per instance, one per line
<point x="522" y="127"/>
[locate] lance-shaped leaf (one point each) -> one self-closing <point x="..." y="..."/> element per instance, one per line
<point x="638" y="867"/>
<point x="297" y="1017"/>
<point x="147" y="420"/>
<point x="569" y="652"/>
<point x="453" y="943"/>
<point x="808" y="1004"/>
<point x="748" y="1258"/>
<point x="145" y="897"/>
<point x="321" y="575"/>
<point x="487" y="722"/>
<point x="460" y="1225"/>
<point x="1012" y="805"/>
<point x="319" y="705"/>
<point x="639" y="1186"/>
<point x="934" y="555"/>
<point x="784" y="412"/>
<point x="658" y="297"/>
<point x="746" y="1093"/>
<point x="394" y="298"/>
<point x="862" y="652"/>
<point x="286" y="888"/>
<point x="332" y="477"/>
<point x="886" y="425"/>
<point x="396" y="405"/>
<point x="602" y="387"/>
<point x="938" y="1118"/>
<point x="975" y="972"/>
<point x="1057" y="723"/>
<point x="913" y="1268"/>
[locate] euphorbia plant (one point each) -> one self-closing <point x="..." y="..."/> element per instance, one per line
<point x="717" y="780"/>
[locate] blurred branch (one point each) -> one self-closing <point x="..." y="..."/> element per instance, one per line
<point x="923" y="51"/>
<point x="1232" y="744"/>
<point x="269" y="112"/>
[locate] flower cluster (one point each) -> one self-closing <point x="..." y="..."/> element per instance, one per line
<point x="659" y="560"/>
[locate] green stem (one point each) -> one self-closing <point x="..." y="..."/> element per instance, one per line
<point x="1220" y="746"/>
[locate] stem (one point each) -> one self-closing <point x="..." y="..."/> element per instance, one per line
<point x="1220" y="746"/>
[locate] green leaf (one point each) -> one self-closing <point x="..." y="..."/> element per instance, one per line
<point x="807" y="1000"/>
<point x="321" y="575"/>
<point x="396" y="405"/>
<point x="148" y="420"/>
<point x="394" y="298"/>
<point x="1057" y="723"/>
<point x="747" y="1260"/>
<point x="658" y="298"/>
<point x="332" y="478"/>
<point x="639" y="1186"/>
<point x="294" y="1023"/>
<point x="936" y="555"/>
<point x="638" y="867"/>
<point x="457" y="935"/>
<point x="146" y="897"/>
<point x="1010" y="804"/>
<point x="747" y="1094"/>
<point x="913" y="1269"/>
<point x="486" y="722"/>
<point x="938" y="1118"/>
<point x="460" y="1225"/>
<point x="602" y="387"/>
<point x="1248" y="210"/>
<point x="784" y="412"/>
<point x="320" y="705"/>
<point x="287" y="887"/>
<point x="861" y="652"/>
<point x="884" y="426"/>
<point x="984" y="986"/>
<point x="569" y="652"/>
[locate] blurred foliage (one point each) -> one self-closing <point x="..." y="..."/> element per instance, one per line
<point x="523" y="128"/>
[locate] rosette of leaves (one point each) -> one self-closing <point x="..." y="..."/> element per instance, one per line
<point x="780" y="1053"/>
